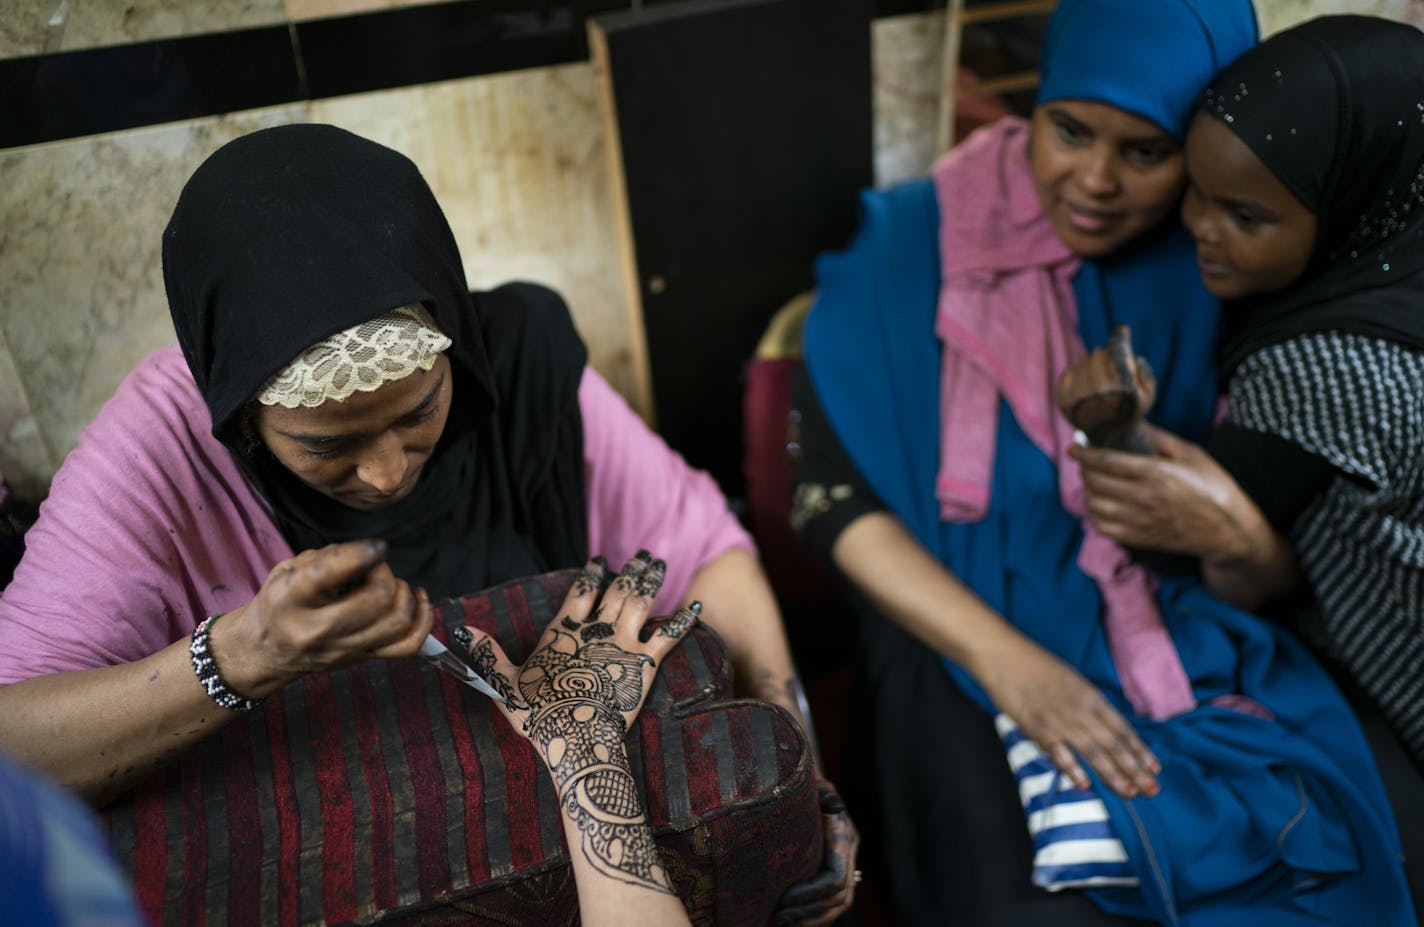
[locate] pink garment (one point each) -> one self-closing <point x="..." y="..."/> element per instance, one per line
<point x="1008" y="321"/>
<point x="150" y="527"/>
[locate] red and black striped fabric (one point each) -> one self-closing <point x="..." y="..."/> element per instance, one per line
<point x="388" y="793"/>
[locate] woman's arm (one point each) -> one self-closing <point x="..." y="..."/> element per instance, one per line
<point x="739" y="605"/>
<point x="573" y="699"/>
<point x="842" y="520"/>
<point x="1047" y="698"/>
<point x="99" y="730"/>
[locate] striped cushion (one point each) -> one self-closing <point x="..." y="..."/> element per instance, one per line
<point x="387" y="792"/>
<point x="1073" y="841"/>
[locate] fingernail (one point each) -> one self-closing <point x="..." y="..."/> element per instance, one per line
<point x="695" y="608"/>
<point x="1079" y="438"/>
<point x="378" y="547"/>
<point x="601" y="561"/>
<point x="658" y="566"/>
<point x="642" y="555"/>
<point x="463" y="636"/>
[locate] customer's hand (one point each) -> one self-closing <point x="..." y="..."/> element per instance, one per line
<point x="828" y="894"/>
<point x="1069" y="718"/>
<point x="316" y="611"/>
<point x="575" y="697"/>
<point x="1180" y="501"/>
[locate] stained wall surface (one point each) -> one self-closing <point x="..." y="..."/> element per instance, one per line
<point x="516" y="157"/>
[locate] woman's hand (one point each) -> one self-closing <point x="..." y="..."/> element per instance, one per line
<point x="317" y="611"/>
<point x="828" y="894"/>
<point x="1180" y="501"/>
<point x="1069" y="718"/>
<point x="574" y="699"/>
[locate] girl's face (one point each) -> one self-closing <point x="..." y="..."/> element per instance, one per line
<point x="367" y="450"/>
<point x="1103" y="176"/>
<point x="1253" y="235"/>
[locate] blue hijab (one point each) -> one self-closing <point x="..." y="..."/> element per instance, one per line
<point x="1280" y="821"/>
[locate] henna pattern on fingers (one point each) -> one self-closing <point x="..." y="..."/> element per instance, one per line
<point x="482" y="660"/>
<point x="651" y="580"/>
<point x="627" y="580"/>
<point x="681" y="621"/>
<point x="578" y="694"/>
<point x="589" y="580"/>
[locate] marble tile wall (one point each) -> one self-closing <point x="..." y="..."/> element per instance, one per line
<point x="31" y="27"/>
<point x="907" y="53"/>
<point x="517" y="160"/>
<point x="81" y="288"/>
<point x="1275" y="15"/>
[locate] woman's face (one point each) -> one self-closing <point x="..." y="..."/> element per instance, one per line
<point x="367" y="450"/>
<point x="1253" y="235"/>
<point x="1103" y="176"/>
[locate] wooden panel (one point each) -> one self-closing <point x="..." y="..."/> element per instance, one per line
<point x="743" y="134"/>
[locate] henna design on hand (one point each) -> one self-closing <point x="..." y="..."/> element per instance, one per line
<point x="589" y="579"/>
<point x="651" y="580"/>
<point x="627" y="581"/>
<point x="578" y="694"/>
<point x="482" y="660"/>
<point x="682" y="619"/>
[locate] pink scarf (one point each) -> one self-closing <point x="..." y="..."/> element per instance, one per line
<point x="1008" y="321"/>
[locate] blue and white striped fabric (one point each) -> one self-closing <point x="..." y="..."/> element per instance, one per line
<point x="1073" y="841"/>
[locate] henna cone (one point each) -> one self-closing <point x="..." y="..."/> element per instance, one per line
<point x="1106" y="395"/>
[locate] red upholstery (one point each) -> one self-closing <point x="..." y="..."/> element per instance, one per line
<point x="388" y="793"/>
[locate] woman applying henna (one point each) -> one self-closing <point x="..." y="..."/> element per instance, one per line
<point x="336" y="381"/>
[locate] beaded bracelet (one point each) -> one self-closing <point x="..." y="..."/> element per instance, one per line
<point x="207" y="669"/>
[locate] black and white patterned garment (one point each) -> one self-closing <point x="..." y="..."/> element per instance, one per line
<point x="1357" y="402"/>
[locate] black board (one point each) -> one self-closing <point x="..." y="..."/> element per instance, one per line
<point x="743" y="133"/>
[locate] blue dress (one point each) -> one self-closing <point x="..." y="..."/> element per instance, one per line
<point x="1280" y="821"/>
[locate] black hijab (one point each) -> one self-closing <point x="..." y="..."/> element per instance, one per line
<point x="291" y="234"/>
<point x="1334" y="108"/>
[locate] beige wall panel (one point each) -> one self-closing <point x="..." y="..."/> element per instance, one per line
<point x="1276" y="15"/>
<point x="907" y="52"/>
<point x="517" y="162"/>
<point x="28" y="27"/>
<point x="81" y="284"/>
<point x="24" y="27"/>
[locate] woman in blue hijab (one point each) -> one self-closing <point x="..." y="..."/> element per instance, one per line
<point x="1168" y="757"/>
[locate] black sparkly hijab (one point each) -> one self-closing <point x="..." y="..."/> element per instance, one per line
<point x="1334" y="108"/>
<point x="291" y="234"/>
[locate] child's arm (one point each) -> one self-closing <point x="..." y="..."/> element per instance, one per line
<point x="1182" y="501"/>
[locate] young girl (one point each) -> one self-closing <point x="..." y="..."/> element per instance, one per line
<point x="1306" y="160"/>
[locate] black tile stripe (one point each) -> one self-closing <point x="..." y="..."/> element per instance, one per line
<point x="398" y="48"/>
<point x="45" y="98"/>
<point x="69" y="94"/>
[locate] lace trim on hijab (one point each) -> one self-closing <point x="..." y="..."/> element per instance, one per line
<point x="385" y="348"/>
